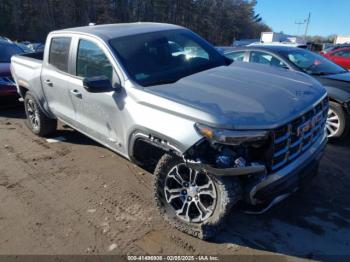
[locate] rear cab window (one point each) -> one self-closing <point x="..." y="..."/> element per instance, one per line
<point x="59" y="52"/>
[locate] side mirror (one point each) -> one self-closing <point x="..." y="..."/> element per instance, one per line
<point x="98" y="84"/>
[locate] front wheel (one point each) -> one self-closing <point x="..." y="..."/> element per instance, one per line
<point x="194" y="202"/>
<point x="337" y="122"/>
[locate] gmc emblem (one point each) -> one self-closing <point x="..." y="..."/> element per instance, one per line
<point x="308" y="125"/>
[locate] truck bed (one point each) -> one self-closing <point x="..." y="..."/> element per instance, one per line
<point x="36" y="55"/>
<point x="26" y="70"/>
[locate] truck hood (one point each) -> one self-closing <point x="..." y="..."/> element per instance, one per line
<point x="243" y="95"/>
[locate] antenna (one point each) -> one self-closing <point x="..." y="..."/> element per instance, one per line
<point x="299" y="24"/>
<point x="307" y="25"/>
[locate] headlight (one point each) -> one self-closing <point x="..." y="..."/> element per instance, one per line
<point x="231" y="137"/>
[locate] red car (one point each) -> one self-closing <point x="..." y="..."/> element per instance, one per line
<point x="340" y="56"/>
<point x="7" y="85"/>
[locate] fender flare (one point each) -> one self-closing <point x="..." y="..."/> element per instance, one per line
<point x="155" y="139"/>
<point x="47" y="112"/>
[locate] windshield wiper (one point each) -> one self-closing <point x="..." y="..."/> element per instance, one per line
<point x="320" y="73"/>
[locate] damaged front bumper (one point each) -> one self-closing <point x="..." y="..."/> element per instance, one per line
<point x="291" y="177"/>
<point x="234" y="171"/>
<point x="274" y="186"/>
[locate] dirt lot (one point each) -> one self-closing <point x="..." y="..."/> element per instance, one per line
<point x="76" y="197"/>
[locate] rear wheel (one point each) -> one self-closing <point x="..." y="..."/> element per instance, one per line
<point x="337" y="122"/>
<point x="194" y="202"/>
<point x="37" y="121"/>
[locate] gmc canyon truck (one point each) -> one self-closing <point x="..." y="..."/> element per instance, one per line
<point x="224" y="132"/>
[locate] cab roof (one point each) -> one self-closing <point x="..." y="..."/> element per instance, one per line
<point x="111" y="31"/>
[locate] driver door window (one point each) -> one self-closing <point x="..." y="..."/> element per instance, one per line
<point x="92" y="61"/>
<point x="265" y="58"/>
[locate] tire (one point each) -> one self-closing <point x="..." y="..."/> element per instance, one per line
<point x="37" y="121"/>
<point x="226" y="190"/>
<point x="337" y="122"/>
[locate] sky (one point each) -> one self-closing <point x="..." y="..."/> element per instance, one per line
<point x="327" y="16"/>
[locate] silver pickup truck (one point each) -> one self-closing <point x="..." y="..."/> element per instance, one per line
<point x="221" y="132"/>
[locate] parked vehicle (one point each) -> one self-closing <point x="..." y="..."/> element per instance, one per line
<point x="340" y="57"/>
<point x="7" y="84"/>
<point x="36" y="47"/>
<point x="335" y="78"/>
<point x="5" y="39"/>
<point x="223" y="133"/>
<point x="244" y="42"/>
<point x="24" y="48"/>
<point x="333" y="48"/>
<point x="285" y="44"/>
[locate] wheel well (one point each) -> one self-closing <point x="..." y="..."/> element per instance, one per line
<point x="23" y="90"/>
<point x="147" y="154"/>
<point x="333" y="100"/>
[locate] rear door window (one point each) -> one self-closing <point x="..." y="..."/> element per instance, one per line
<point x="265" y="58"/>
<point x="59" y="52"/>
<point x="236" y="56"/>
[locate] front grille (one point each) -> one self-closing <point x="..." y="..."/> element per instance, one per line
<point x="294" y="138"/>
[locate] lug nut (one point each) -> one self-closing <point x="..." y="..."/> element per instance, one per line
<point x="196" y="197"/>
<point x="189" y="198"/>
<point x="186" y="184"/>
<point x="184" y="192"/>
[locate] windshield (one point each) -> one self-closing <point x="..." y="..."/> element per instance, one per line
<point x="312" y="63"/>
<point x="165" y="57"/>
<point x="7" y="51"/>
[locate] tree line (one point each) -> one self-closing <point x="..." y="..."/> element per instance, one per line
<point x="219" y="21"/>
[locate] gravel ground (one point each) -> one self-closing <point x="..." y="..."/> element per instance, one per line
<point x="77" y="197"/>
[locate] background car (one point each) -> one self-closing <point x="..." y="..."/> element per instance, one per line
<point x="333" y="48"/>
<point x="36" y="47"/>
<point x="24" y="47"/>
<point x="5" y="39"/>
<point x="7" y="85"/>
<point x="340" y="56"/>
<point x="335" y="78"/>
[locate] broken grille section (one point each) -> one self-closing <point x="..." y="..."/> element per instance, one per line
<point x="294" y="138"/>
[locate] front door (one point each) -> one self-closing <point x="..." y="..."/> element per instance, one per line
<point x="98" y="113"/>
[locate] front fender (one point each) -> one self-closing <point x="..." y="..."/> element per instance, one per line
<point x="162" y="141"/>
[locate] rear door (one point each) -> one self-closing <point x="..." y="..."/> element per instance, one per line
<point x="56" y="78"/>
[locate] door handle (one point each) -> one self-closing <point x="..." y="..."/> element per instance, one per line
<point x="76" y="93"/>
<point x="48" y="82"/>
